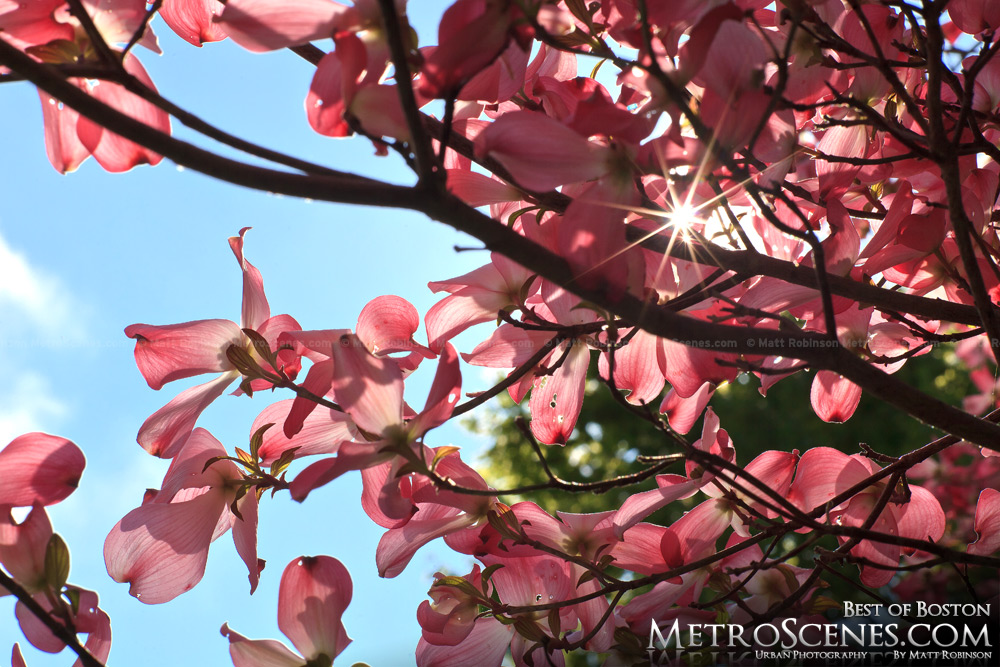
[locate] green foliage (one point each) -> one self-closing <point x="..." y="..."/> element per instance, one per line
<point x="605" y="444"/>
<point x="608" y="438"/>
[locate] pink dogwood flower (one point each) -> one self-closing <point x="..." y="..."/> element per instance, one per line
<point x="71" y="138"/>
<point x="385" y="327"/>
<point x="451" y="617"/>
<point x="476" y="297"/>
<point x="266" y="25"/>
<point x="24" y="551"/>
<point x="312" y="596"/>
<point x="171" y="352"/>
<point x="194" y="21"/>
<point x="416" y="511"/>
<point x="521" y="581"/>
<point x="161" y="547"/>
<point x="472" y="33"/>
<point x="987" y="523"/>
<point x="87" y="618"/>
<point x="370" y="390"/>
<point x="39" y="469"/>
<point x="823" y="473"/>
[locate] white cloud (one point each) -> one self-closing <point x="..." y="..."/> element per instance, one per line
<point x="28" y="292"/>
<point x="35" y="310"/>
<point x="28" y="404"/>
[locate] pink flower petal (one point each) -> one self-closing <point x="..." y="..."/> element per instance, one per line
<point x="659" y="602"/>
<point x="591" y="614"/>
<point x="163" y="432"/>
<point x="33" y="22"/>
<point x="174" y="351"/>
<point x="688" y="368"/>
<point x="640" y="505"/>
<point x="698" y="530"/>
<point x="255" y="308"/>
<point x="98" y="637"/>
<point x="322" y="431"/>
<point x="187" y="470"/>
<point x="375" y="479"/>
<point x="639" y="550"/>
<point x="16" y="659"/>
<point x="88" y="618"/>
<point x="62" y="145"/>
<point x="452" y="467"/>
<point x="508" y="347"/>
<point x="386" y="325"/>
<point x="975" y="16"/>
<point x="38" y="468"/>
<point x="487" y="277"/>
<point x="312" y="596"/>
<point x="161" y="548"/>
<point x="350" y="456"/>
<point x="398" y="545"/>
<point x="113" y="152"/>
<point x="556" y="399"/>
<point x="35" y="631"/>
<point x="987" y="523"/>
<point x="485" y="646"/>
<point x="194" y="20"/>
<point x="370" y="389"/>
<point x="23" y="545"/>
<point x="540" y="152"/>
<point x="838" y="141"/>
<point x="444" y="394"/>
<point x="319" y="381"/>
<point x="456" y="313"/>
<point x="470" y="36"/>
<point x="245" y="537"/>
<point x="592" y="237"/>
<point x="259" y="652"/>
<point x="922" y="517"/>
<point x="639" y="368"/>
<point x="834" y="398"/>
<point x="266" y="25"/>
<point x="774" y="469"/>
<point x="477" y="189"/>
<point x="682" y="413"/>
<point x="325" y="102"/>
<point x="881" y="553"/>
<point x="822" y="473"/>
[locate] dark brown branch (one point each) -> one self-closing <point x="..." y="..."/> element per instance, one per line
<point x="355" y="190"/>
<point x="419" y="142"/>
<point x="755" y="264"/>
<point x="55" y="627"/>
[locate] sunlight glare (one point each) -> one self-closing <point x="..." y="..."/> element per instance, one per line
<point x="683" y="218"/>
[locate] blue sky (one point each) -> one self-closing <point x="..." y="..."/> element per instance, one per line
<point x="84" y="255"/>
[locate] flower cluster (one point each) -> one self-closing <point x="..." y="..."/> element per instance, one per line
<point x="757" y="190"/>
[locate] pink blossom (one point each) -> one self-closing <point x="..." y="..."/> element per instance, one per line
<point x="312" y="596"/>
<point x="71" y="138"/>
<point x="194" y="20"/>
<point x="266" y="25"/>
<point x="23" y="549"/>
<point x="471" y="35"/>
<point x="161" y="547"/>
<point x="370" y="390"/>
<point x="987" y="523"/>
<point x="39" y="469"/>
<point x="823" y="473"/>
<point x="171" y="352"/>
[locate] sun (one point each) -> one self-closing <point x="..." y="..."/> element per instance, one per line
<point x="683" y="218"/>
